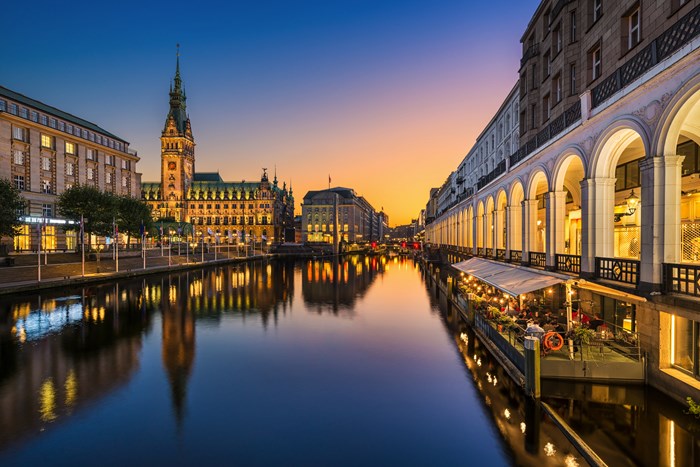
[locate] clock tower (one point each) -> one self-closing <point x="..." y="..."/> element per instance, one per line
<point x="176" y="153"/>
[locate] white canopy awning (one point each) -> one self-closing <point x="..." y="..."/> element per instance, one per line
<point x="512" y="279"/>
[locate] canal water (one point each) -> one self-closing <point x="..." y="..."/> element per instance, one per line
<point x="357" y="362"/>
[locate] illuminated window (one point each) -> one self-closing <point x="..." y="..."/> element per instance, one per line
<point x="70" y="148"/>
<point x="46" y="186"/>
<point x="47" y="141"/>
<point x="70" y="168"/>
<point x="46" y="163"/>
<point x="684" y="336"/>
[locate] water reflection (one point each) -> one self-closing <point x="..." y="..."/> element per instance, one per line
<point x="63" y="349"/>
<point x="333" y="285"/>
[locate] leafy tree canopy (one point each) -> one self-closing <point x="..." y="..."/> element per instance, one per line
<point x="11" y="205"/>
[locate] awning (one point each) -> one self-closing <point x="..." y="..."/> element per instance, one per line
<point x="512" y="279"/>
<point x="608" y="291"/>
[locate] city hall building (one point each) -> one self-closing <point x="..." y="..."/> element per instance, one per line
<point x="604" y="181"/>
<point x="218" y="210"/>
<point x="43" y="152"/>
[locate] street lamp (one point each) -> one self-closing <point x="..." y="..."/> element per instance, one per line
<point x="631" y="202"/>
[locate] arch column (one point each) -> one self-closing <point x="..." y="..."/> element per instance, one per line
<point x="475" y="225"/>
<point x="587" y="235"/>
<point x="555" y="205"/>
<point x="499" y="225"/>
<point x="603" y="210"/>
<point x="660" y="218"/>
<point x="529" y="228"/>
<point x="515" y="228"/>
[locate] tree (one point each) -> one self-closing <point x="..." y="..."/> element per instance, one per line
<point x="11" y="206"/>
<point x="132" y="213"/>
<point x="97" y="208"/>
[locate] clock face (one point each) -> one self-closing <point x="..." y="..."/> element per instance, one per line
<point x="171" y="165"/>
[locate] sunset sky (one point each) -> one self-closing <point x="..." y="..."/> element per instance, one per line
<point x="384" y="96"/>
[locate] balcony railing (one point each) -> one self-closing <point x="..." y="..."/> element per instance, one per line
<point x="569" y="263"/>
<point x="491" y="176"/>
<point x="669" y="41"/>
<point x="537" y="259"/>
<point x="516" y="256"/>
<point x="481" y="251"/>
<point x="531" y="51"/>
<point x="556" y="126"/>
<point x="682" y="278"/>
<point x="500" y="254"/>
<point x="618" y="270"/>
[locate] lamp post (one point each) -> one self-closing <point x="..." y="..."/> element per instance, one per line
<point x="631" y="202"/>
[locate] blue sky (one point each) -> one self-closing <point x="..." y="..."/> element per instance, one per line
<point x="385" y="96"/>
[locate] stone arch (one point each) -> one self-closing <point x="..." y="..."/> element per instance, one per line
<point x="488" y="224"/>
<point x="501" y="219"/>
<point x="515" y="215"/>
<point x="612" y="142"/>
<point x="615" y="178"/>
<point x="480" y="224"/>
<point x="678" y="134"/>
<point x="470" y="227"/>
<point x="565" y="214"/>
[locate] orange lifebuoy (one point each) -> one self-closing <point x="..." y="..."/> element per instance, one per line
<point x="551" y="337"/>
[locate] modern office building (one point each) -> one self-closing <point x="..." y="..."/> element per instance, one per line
<point x="355" y="218"/>
<point x="220" y="211"/>
<point x="44" y="151"/>
<point x="605" y="183"/>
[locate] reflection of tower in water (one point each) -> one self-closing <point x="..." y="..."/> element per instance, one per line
<point x="178" y="343"/>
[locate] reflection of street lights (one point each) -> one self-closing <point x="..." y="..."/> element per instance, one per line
<point x="99" y="248"/>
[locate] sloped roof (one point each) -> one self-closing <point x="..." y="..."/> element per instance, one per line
<point x="37" y="105"/>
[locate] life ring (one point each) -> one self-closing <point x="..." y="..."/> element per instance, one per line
<point x="553" y="341"/>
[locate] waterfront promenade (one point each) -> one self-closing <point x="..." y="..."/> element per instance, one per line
<point x="60" y="269"/>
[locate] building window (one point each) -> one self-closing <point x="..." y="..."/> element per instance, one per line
<point x="90" y="173"/>
<point x="45" y="163"/>
<point x="125" y="181"/>
<point x="631" y="26"/>
<point x="533" y="116"/>
<point x="70" y="168"/>
<point x="534" y="77"/>
<point x="572" y="78"/>
<point x="546" y="65"/>
<point x="20" y="134"/>
<point x="23" y="112"/>
<point x="572" y="26"/>
<point x="556" y="88"/>
<point x="52" y="123"/>
<point x="90" y="154"/>
<point x="627" y="175"/>
<point x="34" y="116"/>
<point x="596" y="10"/>
<point x="46" y="187"/>
<point x="2" y="105"/>
<point x="556" y="39"/>
<point x="109" y="159"/>
<point x="62" y="126"/>
<point x="47" y="141"/>
<point x="18" y="157"/>
<point x="126" y="165"/>
<point x="44" y="120"/>
<point x="595" y="57"/>
<point x="108" y="178"/>
<point x="545" y="108"/>
<point x="19" y="182"/>
<point x="47" y="210"/>
<point x="684" y="338"/>
<point x="70" y="148"/>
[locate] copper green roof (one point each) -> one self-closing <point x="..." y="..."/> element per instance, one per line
<point x="40" y="106"/>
